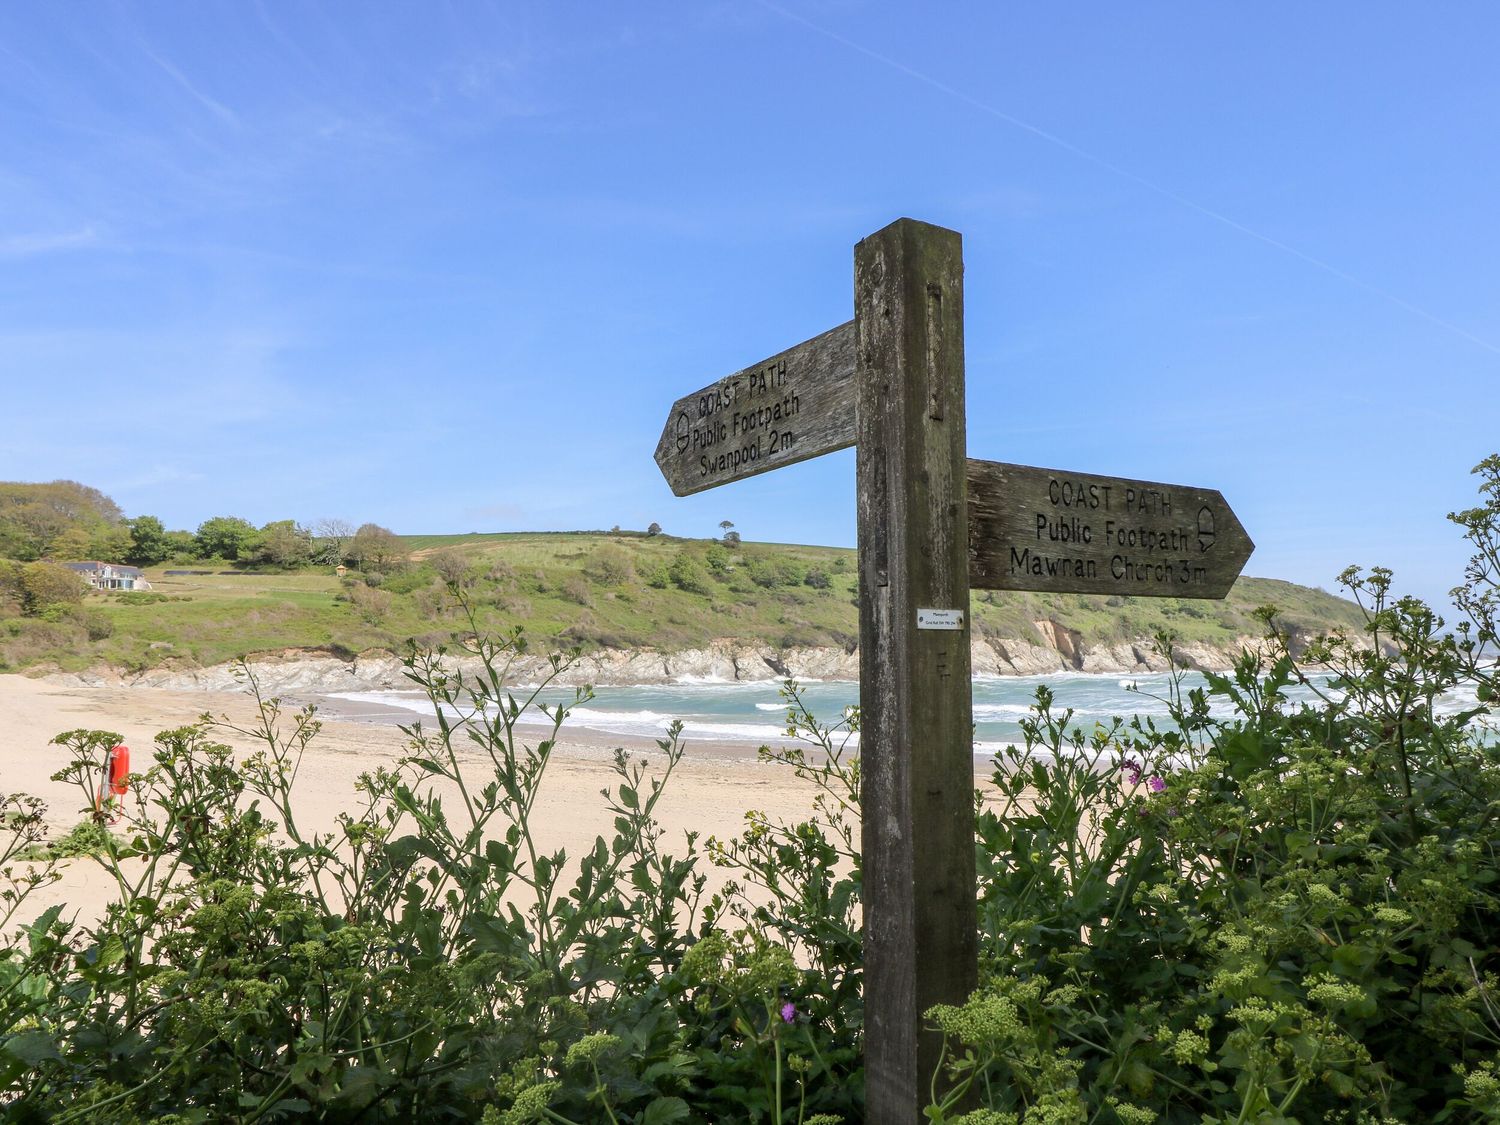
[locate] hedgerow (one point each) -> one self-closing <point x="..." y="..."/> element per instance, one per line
<point x="1258" y="910"/>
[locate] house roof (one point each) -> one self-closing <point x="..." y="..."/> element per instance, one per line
<point x="94" y="567"/>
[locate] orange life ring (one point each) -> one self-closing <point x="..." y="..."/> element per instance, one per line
<point x="119" y="770"/>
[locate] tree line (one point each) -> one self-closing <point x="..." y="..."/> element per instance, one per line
<point x="65" y="521"/>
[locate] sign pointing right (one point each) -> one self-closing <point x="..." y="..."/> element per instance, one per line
<point x="1064" y="532"/>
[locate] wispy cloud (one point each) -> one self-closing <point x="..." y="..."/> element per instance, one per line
<point x="1125" y="173"/>
<point x="48" y="242"/>
<point x="219" y="109"/>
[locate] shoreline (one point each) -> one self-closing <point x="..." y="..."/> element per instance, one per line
<point x="713" y="788"/>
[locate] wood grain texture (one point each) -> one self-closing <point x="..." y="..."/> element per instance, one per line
<point x="916" y="739"/>
<point x="796" y="405"/>
<point x="1078" y="533"/>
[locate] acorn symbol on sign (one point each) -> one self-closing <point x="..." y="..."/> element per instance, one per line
<point x="1205" y="528"/>
<point x="684" y="425"/>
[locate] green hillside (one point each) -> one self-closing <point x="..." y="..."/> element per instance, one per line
<point x="585" y="589"/>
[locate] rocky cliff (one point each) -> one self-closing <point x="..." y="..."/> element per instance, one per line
<point x="298" y="671"/>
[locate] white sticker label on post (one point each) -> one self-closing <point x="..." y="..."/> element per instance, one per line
<point x="940" y="619"/>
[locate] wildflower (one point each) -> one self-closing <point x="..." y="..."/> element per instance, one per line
<point x="1155" y="784"/>
<point x="788" y="1012"/>
<point x="1132" y="770"/>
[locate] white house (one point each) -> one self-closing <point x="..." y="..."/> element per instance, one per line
<point x="110" y="576"/>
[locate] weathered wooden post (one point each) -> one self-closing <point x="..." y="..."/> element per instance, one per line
<point x="916" y="712"/>
<point x="931" y="522"/>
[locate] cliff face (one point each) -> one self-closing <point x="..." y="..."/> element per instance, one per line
<point x="299" y="671"/>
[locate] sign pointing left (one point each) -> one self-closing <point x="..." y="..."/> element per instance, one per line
<point x="796" y="405"/>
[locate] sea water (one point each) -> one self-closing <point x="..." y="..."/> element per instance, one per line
<point x="719" y="711"/>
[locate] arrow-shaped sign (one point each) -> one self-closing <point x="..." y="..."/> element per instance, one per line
<point x="1063" y="532"/>
<point x="796" y="405"/>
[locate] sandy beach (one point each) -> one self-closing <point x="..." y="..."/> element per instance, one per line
<point x="710" y="792"/>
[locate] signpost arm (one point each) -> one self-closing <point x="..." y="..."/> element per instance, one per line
<point x="916" y="733"/>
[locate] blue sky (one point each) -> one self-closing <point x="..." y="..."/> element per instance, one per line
<point x="445" y="266"/>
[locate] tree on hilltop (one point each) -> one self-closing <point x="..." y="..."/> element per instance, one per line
<point x="375" y="548"/>
<point x="283" y="543"/>
<point x="225" y="537"/>
<point x="34" y="516"/>
<point x="331" y="534"/>
<point x="149" y="544"/>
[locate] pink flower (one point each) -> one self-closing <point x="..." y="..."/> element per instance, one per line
<point x="1155" y="784"/>
<point x="1132" y="770"/>
<point x="788" y="1012"/>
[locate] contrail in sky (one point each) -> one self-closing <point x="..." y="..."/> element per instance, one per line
<point x="1125" y="173"/>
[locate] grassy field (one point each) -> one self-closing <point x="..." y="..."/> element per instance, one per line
<point x="585" y="589"/>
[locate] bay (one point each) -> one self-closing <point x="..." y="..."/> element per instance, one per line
<point x="716" y="711"/>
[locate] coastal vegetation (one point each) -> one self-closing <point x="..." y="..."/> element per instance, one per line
<point x="231" y="590"/>
<point x="1256" y="911"/>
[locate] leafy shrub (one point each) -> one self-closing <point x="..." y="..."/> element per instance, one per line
<point x="658" y="577"/>
<point x="452" y="566"/>
<point x="1260" y="911"/>
<point x="610" y="566"/>
<point x="371" y="603"/>
<point x="427" y="961"/>
<point x="46" y="585"/>
<point x="405" y="581"/>
<point x="688" y="574"/>
<point x="88" y="837"/>
<point x="97" y="624"/>
<point x="576" y="589"/>
<point x="771" y="571"/>
<point x="142" y="597"/>
<point x="716" y="558"/>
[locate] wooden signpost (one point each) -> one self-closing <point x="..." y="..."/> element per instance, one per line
<point x="932" y="523"/>
<point x="795" y="405"/>
<point x="1076" y="533"/>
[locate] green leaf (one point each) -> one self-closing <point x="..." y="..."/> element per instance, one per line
<point x="664" y="1110"/>
<point x="31" y="1047"/>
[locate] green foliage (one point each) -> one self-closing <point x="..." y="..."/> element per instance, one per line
<point x="97" y="624"/>
<point x="770" y="570"/>
<point x="610" y="566"/>
<point x="36" y="518"/>
<point x="225" y="537"/>
<point x="10" y="587"/>
<point x="428" y="960"/>
<point x="404" y="581"/>
<point x="283" y="544"/>
<point x="149" y="544"/>
<point x="520" y="579"/>
<point x="45" y="586"/>
<point x="182" y="544"/>
<point x="375" y="548"/>
<point x="86" y="838"/>
<point x="1259" y="911"/>
<point x="688" y="574"/>
<point x="716" y="559"/>
<point x="658" y="576"/>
